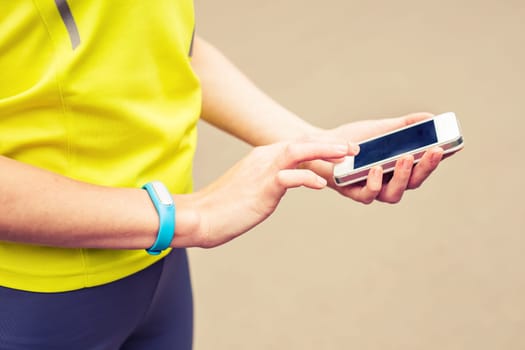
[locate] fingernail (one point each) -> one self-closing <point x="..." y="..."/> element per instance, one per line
<point x="436" y="157"/>
<point x="321" y="181"/>
<point x="406" y="164"/>
<point x="355" y="148"/>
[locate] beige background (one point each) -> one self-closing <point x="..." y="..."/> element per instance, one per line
<point x="444" y="269"/>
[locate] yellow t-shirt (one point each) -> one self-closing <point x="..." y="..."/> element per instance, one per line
<point x="103" y="92"/>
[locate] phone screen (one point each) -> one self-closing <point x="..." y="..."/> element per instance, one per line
<point x="396" y="143"/>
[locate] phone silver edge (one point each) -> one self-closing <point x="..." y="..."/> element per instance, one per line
<point x="389" y="165"/>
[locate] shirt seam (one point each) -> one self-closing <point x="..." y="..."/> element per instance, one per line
<point x="66" y="120"/>
<point x="63" y="106"/>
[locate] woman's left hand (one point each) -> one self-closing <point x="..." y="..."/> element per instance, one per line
<point x="385" y="188"/>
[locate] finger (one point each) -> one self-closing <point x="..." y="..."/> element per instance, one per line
<point x="289" y="178"/>
<point x="324" y="137"/>
<point x="295" y="153"/>
<point x="337" y="160"/>
<point x="416" y="117"/>
<point x="394" y="190"/>
<point x="425" y="167"/>
<point x="367" y="194"/>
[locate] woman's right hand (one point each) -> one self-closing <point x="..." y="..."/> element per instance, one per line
<point x="250" y="191"/>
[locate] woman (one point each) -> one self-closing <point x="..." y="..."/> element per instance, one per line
<point x="98" y="108"/>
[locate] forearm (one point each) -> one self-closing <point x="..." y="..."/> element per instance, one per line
<point x="234" y="104"/>
<point x="41" y="207"/>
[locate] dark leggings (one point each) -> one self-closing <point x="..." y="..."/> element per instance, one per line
<point x="151" y="309"/>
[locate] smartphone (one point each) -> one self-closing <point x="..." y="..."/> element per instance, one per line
<point x="442" y="130"/>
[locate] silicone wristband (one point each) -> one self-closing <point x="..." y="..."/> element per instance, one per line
<point x="165" y="206"/>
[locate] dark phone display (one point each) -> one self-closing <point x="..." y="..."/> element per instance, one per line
<point x="396" y="143"/>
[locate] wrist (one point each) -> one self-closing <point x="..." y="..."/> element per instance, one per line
<point x="189" y="221"/>
<point x="166" y="210"/>
<point x="201" y="210"/>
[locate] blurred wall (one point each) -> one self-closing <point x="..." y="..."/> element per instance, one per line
<point x="445" y="268"/>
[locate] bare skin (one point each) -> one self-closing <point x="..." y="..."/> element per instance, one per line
<point x="40" y="207"/>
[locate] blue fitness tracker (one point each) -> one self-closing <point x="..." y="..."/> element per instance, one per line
<point x="165" y="207"/>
